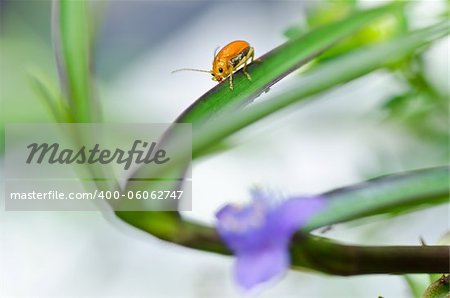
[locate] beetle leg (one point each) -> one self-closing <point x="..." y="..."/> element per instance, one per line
<point x="231" y="81"/>
<point x="232" y="69"/>
<point x="246" y="73"/>
<point x="250" y="55"/>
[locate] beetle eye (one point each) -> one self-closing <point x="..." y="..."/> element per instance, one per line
<point x="220" y="69"/>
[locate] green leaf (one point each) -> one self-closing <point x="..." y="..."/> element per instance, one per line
<point x="439" y="288"/>
<point x="394" y="193"/>
<point x="381" y="30"/>
<point x="278" y="63"/>
<point x="73" y="50"/>
<point x="327" y="76"/>
<point x="416" y="283"/>
<point x="50" y="97"/>
<point x="427" y="186"/>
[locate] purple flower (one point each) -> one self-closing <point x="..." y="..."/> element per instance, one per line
<point x="259" y="235"/>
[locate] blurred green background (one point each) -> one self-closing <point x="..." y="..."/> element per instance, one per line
<point x="392" y="120"/>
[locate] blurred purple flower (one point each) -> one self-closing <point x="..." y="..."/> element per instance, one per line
<point x="259" y="234"/>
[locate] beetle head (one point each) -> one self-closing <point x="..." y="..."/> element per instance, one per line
<point x="219" y="71"/>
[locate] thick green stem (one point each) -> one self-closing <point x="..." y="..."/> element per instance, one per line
<point x="313" y="252"/>
<point x="400" y="192"/>
<point x="339" y="259"/>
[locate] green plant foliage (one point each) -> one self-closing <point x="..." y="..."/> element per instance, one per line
<point x="221" y="108"/>
<point x="390" y="194"/>
<point x="328" y="256"/>
<point x="277" y="64"/>
<point x="382" y="29"/>
<point x="329" y="75"/>
<point x="416" y="284"/>
<point x="380" y="198"/>
<point x="439" y="288"/>
<point x="74" y="57"/>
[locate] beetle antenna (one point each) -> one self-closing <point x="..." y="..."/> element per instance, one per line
<point x="190" y="69"/>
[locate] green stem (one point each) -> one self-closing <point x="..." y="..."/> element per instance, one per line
<point x="339" y="259"/>
<point x="71" y="27"/>
<point x="311" y="252"/>
<point x="374" y="197"/>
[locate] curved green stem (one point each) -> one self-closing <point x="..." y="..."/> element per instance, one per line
<point x="401" y="192"/>
<point x="321" y="254"/>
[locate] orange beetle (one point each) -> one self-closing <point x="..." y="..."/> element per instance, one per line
<point x="228" y="60"/>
